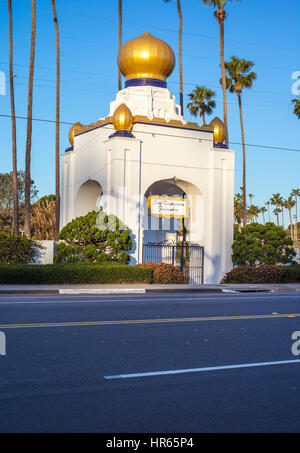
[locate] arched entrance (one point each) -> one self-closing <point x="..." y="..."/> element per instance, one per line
<point x="88" y="198"/>
<point x="175" y="239"/>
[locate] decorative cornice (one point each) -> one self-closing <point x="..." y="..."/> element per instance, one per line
<point x="92" y="126"/>
<point x="145" y="120"/>
<point x="171" y="123"/>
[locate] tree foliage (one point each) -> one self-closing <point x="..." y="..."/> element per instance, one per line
<point x="95" y="237"/>
<point x="257" y="244"/>
<point x="43" y="219"/>
<point x="17" y="249"/>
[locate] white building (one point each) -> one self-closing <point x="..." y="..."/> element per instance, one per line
<point x="145" y="148"/>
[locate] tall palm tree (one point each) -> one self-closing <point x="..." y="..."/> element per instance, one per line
<point x="283" y="206"/>
<point x="296" y="193"/>
<point x="201" y="102"/>
<point x="221" y="15"/>
<point x="290" y="203"/>
<point x="297" y="107"/>
<point x="240" y="76"/>
<point x="251" y="196"/>
<point x="263" y="210"/>
<point x="269" y="213"/>
<point x="29" y="124"/>
<point x="238" y="210"/>
<point x="13" y="120"/>
<point x="276" y="201"/>
<point x="57" y="169"/>
<point x="120" y="42"/>
<point x="180" y="50"/>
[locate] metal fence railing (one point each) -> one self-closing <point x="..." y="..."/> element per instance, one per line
<point x="188" y="257"/>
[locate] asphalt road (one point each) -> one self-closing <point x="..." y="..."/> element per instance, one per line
<point x="150" y="363"/>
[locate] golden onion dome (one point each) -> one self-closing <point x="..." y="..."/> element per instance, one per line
<point x="146" y="57"/>
<point x="74" y="129"/>
<point x="123" y="119"/>
<point x="219" y="130"/>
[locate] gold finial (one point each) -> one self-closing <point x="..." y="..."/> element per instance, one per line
<point x="123" y="119"/>
<point x="75" y="128"/>
<point x="219" y="130"/>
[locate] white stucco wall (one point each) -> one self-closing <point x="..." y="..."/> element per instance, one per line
<point x="126" y="167"/>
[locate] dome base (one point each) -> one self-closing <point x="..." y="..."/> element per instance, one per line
<point x="122" y="134"/>
<point x="145" y="83"/>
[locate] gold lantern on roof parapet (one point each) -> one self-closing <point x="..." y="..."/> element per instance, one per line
<point x="219" y="133"/>
<point x="122" y="122"/>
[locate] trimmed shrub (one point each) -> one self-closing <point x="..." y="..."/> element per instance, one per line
<point x="262" y="244"/>
<point x="73" y="273"/>
<point x="164" y="273"/>
<point x="264" y="273"/>
<point x="291" y="274"/>
<point x="94" y="238"/>
<point x="17" y="249"/>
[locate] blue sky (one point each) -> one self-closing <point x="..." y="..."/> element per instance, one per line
<point x="262" y="31"/>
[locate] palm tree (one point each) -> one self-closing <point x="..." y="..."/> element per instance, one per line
<point x="297" y="107"/>
<point x="120" y="42"/>
<point x="57" y="169"/>
<point x="180" y="51"/>
<point x="283" y="206"/>
<point x="296" y="193"/>
<point x="290" y="203"/>
<point x="268" y="206"/>
<point x="263" y="210"/>
<point x="238" y="210"/>
<point x="253" y="212"/>
<point x="221" y="15"/>
<point x="276" y="201"/>
<point x="29" y="124"/>
<point x="251" y="196"/>
<point x="13" y="120"/>
<point x="201" y="102"/>
<point x="239" y="76"/>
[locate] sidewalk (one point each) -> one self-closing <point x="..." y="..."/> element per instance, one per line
<point x="145" y="289"/>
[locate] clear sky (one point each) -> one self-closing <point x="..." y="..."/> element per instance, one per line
<point x="266" y="32"/>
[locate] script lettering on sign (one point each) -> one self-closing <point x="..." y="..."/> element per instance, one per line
<point x="168" y="207"/>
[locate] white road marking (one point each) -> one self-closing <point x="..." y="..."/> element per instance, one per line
<point x="27" y="299"/>
<point x="200" y="370"/>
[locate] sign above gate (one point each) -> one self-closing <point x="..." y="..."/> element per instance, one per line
<point x="168" y="207"/>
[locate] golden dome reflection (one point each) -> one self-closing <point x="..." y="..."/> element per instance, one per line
<point x="146" y="57"/>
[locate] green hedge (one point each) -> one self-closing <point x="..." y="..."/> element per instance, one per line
<point x="73" y="273"/>
<point x="264" y="274"/>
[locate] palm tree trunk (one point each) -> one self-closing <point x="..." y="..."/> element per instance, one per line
<point x="29" y="124"/>
<point x="13" y="120"/>
<point x="180" y="54"/>
<point x="57" y="168"/>
<point x="264" y="219"/>
<point x="291" y="221"/>
<point x="244" y="162"/>
<point x="224" y="87"/>
<point x="296" y="221"/>
<point x="120" y="42"/>
<point x="282" y="214"/>
<point x="277" y="214"/>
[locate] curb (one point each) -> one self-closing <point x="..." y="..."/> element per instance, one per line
<point x="124" y="291"/>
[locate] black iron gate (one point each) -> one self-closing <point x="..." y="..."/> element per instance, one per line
<point x="188" y="257"/>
